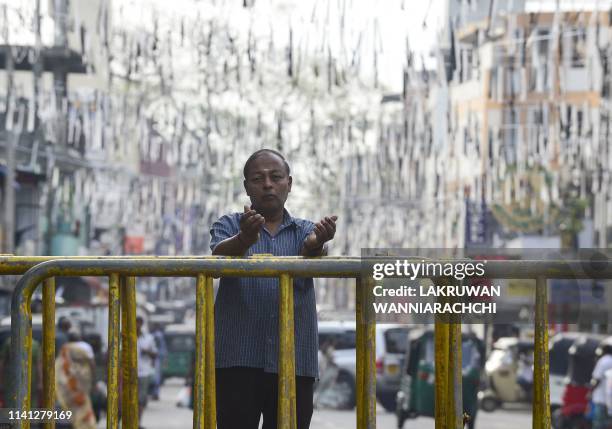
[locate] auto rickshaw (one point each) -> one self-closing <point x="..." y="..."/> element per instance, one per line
<point x="582" y="359"/>
<point x="417" y="390"/>
<point x="180" y="341"/>
<point x="502" y="372"/>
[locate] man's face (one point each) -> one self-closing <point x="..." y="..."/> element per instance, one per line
<point x="267" y="183"/>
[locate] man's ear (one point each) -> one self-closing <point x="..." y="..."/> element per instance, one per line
<point x="244" y="183"/>
<point x="290" y="182"/>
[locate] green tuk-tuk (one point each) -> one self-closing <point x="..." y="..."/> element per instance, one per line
<point x="417" y="390"/>
<point x="180" y="342"/>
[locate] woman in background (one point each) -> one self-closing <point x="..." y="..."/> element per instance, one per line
<point x="74" y="369"/>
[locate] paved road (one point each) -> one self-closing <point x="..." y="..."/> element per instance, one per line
<point x="506" y="419"/>
<point x="164" y="414"/>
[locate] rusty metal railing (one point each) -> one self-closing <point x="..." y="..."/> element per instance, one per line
<point x="122" y="306"/>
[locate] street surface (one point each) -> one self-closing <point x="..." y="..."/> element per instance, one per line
<point x="164" y="414"/>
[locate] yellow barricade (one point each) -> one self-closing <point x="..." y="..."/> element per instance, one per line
<point x="122" y="273"/>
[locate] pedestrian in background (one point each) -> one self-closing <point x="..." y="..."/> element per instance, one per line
<point x="162" y="353"/>
<point x="598" y="386"/>
<point x="74" y="370"/>
<point x="61" y="336"/>
<point x="147" y="353"/>
<point x="246" y="309"/>
<point x="608" y="382"/>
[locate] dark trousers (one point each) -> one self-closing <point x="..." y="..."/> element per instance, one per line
<point x="244" y="394"/>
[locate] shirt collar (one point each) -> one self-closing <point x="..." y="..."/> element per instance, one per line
<point x="287" y="219"/>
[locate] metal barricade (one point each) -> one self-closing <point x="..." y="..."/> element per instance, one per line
<point x="122" y="297"/>
<point x="122" y="301"/>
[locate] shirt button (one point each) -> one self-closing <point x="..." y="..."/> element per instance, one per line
<point x="273" y="239"/>
<point x="269" y="340"/>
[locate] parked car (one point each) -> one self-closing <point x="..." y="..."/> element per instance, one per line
<point x="5" y="328"/>
<point x="391" y="345"/>
<point x="5" y="302"/>
<point x="337" y="365"/>
<point x="5" y="335"/>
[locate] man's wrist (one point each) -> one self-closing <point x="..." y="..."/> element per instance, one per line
<point x="243" y="240"/>
<point x="319" y="247"/>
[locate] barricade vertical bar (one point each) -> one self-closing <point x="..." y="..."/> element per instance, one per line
<point x="129" y="402"/>
<point x="209" y="350"/>
<point x="441" y="341"/>
<point x="454" y="392"/>
<point x="132" y="361"/>
<point x="287" y="418"/>
<point x="360" y="370"/>
<point x="370" y="361"/>
<point x="360" y="344"/>
<point x="125" y="393"/>
<point x="21" y="358"/>
<point x="48" y="350"/>
<point x="541" y="389"/>
<point x="199" y="399"/>
<point x="366" y="357"/>
<point x="28" y="354"/>
<point x="112" y="404"/>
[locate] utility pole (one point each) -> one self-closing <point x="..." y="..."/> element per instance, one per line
<point x="12" y="136"/>
<point x="59" y="71"/>
<point x="37" y="75"/>
<point x="60" y="42"/>
<point x="38" y="71"/>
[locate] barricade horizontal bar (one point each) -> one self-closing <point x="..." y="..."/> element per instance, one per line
<point x="294" y="266"/>
<point x="14" y="265"/>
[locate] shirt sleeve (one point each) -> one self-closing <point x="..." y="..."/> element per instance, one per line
<point x="599" y="369"/>
<point x="220" y="230"/>
<point x="307" y="228"/>
<point x="151" y="346"/>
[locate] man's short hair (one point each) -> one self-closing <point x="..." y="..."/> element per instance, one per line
<point x="64" y="323"/>
<point x="260" y="152"/>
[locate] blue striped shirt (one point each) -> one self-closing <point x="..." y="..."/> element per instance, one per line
<point x="246" y="309"/>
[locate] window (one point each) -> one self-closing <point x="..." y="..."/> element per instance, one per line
<point x="396" y="340"/>
<point x="5" y="304"/>
<point x="579" y="48"/>
<point x="543" y="42"/>
<point x="345" y="340"/>
<point x="181" y="343"/>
